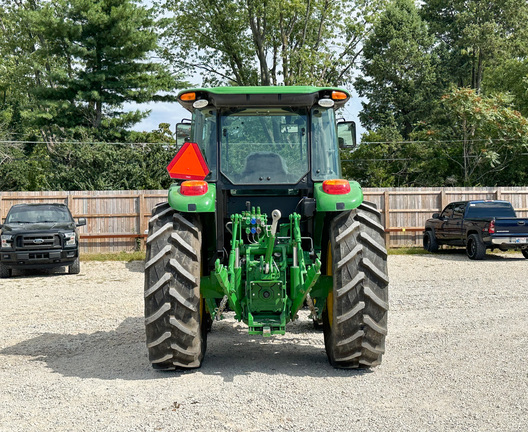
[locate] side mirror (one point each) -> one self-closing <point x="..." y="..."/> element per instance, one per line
<point x="183" y="133"/>
<point x="346" y="135"/>
<point x="436" y="215"/>
<point x="81" y="222"/>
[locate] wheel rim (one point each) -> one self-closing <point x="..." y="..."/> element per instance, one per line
<point x="472" y="247"/>
<point x="330" y="297"/>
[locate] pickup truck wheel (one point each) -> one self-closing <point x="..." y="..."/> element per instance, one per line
<point x="75" y="268"/>
<point x="476" y="250"/>
<point x="5" y="271"/>
<point x="525" y="253"/>
<point x="355" y="316"/>
<point x="429" y="242"/>
<point x="175" y="314"/>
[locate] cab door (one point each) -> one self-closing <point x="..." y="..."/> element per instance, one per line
<point x="453" y="226"/>
<point x="442" y="228"/>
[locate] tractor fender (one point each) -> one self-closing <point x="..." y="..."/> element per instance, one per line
<point x="205" y="203"/>
<point x="334" y="203"/>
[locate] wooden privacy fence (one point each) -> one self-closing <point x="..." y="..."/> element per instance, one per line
<point x="118" y="220"/>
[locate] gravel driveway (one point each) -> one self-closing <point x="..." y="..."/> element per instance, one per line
<point x="73" y="357"/>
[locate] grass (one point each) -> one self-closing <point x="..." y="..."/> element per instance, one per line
<point x="407" y="251"/>
<point x="115" y="256"/>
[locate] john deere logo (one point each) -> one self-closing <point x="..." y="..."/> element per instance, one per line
<point x="38" y="241"/>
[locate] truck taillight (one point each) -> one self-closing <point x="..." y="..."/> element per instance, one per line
<point x="194" y="187"/>
<point x="336" y="187"/>
<point x="491" y="228"/>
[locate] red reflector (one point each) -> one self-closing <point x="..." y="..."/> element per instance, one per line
<point x="336" y="187"/>
<point x="188" y="164"/>
<point x="491" y="228"/>
<point x="193" y="187"/>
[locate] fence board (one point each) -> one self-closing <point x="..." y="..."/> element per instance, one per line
<point x="117" y="220"/>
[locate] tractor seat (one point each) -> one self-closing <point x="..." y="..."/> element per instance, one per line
<point x="264" y="164"/>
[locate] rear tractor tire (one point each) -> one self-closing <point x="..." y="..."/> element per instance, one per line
<point x="525" y="252"/>
<point x="355" y="317"/>
<point x="175" y="317"/>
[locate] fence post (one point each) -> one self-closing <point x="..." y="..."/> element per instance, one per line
<point x="498" y="193"/>
<point x="141" y="222"/>
<point x="386" y="216"/>
<point x="443" y="202"/>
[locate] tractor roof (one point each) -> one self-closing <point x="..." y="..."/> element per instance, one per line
<point x="268" y="96"/>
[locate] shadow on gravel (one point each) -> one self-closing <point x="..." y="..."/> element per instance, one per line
<point x="135" y="266"/>
<point x="460" y="255"/>
<point x="54" y="272"/>
<point x="231" y="352"/>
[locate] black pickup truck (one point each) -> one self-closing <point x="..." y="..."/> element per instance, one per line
<point x="39" y="236"/>
<point x="477" y="226"/>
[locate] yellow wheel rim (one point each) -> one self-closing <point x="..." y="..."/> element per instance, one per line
<point x="330" y="297"/>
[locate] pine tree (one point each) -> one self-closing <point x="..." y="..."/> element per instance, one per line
<point x="107" y="44"/>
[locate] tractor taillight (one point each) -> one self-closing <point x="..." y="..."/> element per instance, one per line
<point x="193" y="187"/>
<point x="491" y="228"/>
<point x="336" y="187"/>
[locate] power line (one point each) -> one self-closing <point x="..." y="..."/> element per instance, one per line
<point x="87" y="142"/>
<point x="442" y="141"/>
<point x="403" y="159"/>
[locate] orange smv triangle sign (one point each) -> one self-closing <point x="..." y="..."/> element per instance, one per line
<point x="188" y="164"/>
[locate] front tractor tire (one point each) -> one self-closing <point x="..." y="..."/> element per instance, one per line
<point x="355" y="317"/>
<point x="175" y="318"/>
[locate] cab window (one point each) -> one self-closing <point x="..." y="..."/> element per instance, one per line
<point x="448" y="212"/>
<point x="458" y="212"/>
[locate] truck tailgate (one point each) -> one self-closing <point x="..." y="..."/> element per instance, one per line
<point x="511" y="230"/>
<point x="511" y="226"/>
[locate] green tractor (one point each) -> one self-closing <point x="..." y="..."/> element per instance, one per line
<point x="261" y="222"/>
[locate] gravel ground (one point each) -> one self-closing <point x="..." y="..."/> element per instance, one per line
<point x="73" y="357"/>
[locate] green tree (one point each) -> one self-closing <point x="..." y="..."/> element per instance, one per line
<point x="107" y="44"/>
<point x="398" y="76"/>
<point x="73" y="64"/>
<point x="510" y="76"/>
<point x="267" y="42"/>
<point x="482" y="137"/>
<point x="384" y="159"/>
<point x="476" y="35"/>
